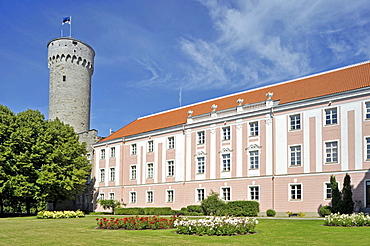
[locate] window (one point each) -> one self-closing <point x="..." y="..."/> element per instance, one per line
<point x="101" y="196"/>
<point x="201" y="137"/>
<point x="64" y="78"/>
<point x="170" y="168"/>
<point x="133" y="197"/>
<point x="295" y="192"/>
<point x="102" y="175"/>
<point x="331" y="152"/>
<point x="328" y="191"/>
<point x="367" y="110"/>
<point x="331" y="116"/>
<point x="150" y="146"/>
<point x="254" y="159"/>
<point x="200" y="194"/>
<point x="171" y="143"/>
<point x="170" y="194"/>
<point x="295" y="155"/>
<point x="111" y="196"/>
<point x="254" y="193"/>
<point x="112" y="175"/>
<point x="200" y="165"/>
<point x="295" y="122"/>
<point x="112" y="152"/>
<point x="150" y="169"/>
<point x="226" y="133"/>
<point x="367" y="148"/>
<point x="102" y="154"/>
<point x="133" y="172"/>
<point x="253" y="129"/>
<point x="149" y="196"/>
<point x="226" y="193"/>
<point x="226" y="163"/>
<point x="133" y="149"/>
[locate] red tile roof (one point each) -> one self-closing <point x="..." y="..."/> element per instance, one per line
<point x="335" y="81"/>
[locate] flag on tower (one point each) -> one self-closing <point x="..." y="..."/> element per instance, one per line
<point x="66" y="20"/>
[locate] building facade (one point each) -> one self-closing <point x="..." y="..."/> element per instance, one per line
<point x="277" y="145"/>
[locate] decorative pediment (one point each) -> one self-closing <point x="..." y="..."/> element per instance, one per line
<point x="200" y="153"/>
<point x="254" y="147"/>
<point x="225" y="150"/>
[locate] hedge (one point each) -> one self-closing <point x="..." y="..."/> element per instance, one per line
<point x="144" y="211"/>
<point x="240" y="208"/>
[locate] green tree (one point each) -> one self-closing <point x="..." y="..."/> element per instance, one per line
<point x="64" y="172"/>
<point x="346" y="205"/>
<point x="109" y="204"/>
<point x="212" y="204"/>
<point x="336" y="196"/>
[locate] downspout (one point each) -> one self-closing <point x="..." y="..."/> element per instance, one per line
<point x="272" y="157"/>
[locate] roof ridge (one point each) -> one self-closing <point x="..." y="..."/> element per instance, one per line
<point x="258" y="88"/>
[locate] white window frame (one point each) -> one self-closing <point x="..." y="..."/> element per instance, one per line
<point x="150" y="170"/>
<point x="295" y="156"/>
<point x="112" y="174"/>
<point x="170" y="196"/>
<point x="226" y="162"/>
<point x="201" y="164"/>
<point x="102" y="175"/>
<point x="367" y="149"/>
<point x="254" y="195"/>
<point x="331" y="158"/>
<point x="253" y="129"/>
<point x="331" y="116"/>
<point x="254" y="160"/>
<point x="133" y="197"/>
<point x="150" y="146"/>
<point x="171" y="142"/>
<point x="223" y="193"/>
<point x="133" y="149"/>
<point x="295" y="122"/>
<point x="149" y="198"/>
<point x="170" y="168"/>
<point x="113" y="152"/>
<point x="293" y="193"/>
<point x="226" y="133"/>
<point x="367" y="110"/>
<point x="111" y="196"/>
<point x="201" y="137"/>
<point x="133" y="172"/>
<point x="102" y="154"/>
<point x="200" y="194"/>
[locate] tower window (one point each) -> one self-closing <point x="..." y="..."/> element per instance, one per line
<point x="64" y="78"/>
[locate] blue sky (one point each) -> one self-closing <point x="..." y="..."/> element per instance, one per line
<point x="146" y="50"/>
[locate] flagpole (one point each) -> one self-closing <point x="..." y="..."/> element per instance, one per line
<point x="70" y="26"/>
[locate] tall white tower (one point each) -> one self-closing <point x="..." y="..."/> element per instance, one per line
<point x="71" y="64"/>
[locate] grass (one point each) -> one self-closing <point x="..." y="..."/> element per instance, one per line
<point x="32" y="231"/>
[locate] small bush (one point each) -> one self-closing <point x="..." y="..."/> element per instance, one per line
<point x="301" y="214"/>
<point x="325" y="210"/>
<point x="195" y="208"/>
<point x="212" y="204"/>
<point x="270" y="213"/>
<point x="59" y="214"/>
<point x="144" y="211"/>
<point x="129" y="211"/>
<point x="240" y="208"/>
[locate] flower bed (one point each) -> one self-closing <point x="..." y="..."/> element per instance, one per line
<point x="220" y="226"/>
<point x="136" y="223"/>
<point x="360" y="219"/>
<point x="59" y="214"/>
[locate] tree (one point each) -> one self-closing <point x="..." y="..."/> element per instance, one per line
<point x="64" y="172"/>
<point x="346" y="206"/>
<point x="335" y="195"/>
<point x="109" y="204"/>
<point x="212" y="204"/>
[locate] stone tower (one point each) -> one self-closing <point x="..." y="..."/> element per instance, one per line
<point x="71" y="64"/>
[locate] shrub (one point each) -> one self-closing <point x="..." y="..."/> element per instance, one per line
<point x="195" y="208"/>
<point x="59" y="214"/>
<point x="109" y="204"/>
<point x="220" y="226"/>
<point x="240" y="208"/>
<point x="136" y="223"/>
<point x="325" y="210"/>
<point x="129" y="211"/>
<point x="301" y="214"/>
<point x="347" y="219"/>
<point x="144" y="211"/>
<point x="270" y="213"/>
<point x="212" y="204"/>
<point x="346" y="205"/>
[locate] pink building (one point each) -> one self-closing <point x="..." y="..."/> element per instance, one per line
<point x="277" y="145"/>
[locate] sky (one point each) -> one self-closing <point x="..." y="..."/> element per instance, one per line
<point x="146" y="50"/>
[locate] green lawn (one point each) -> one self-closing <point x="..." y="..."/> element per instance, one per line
<point x="32" y="231"/>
